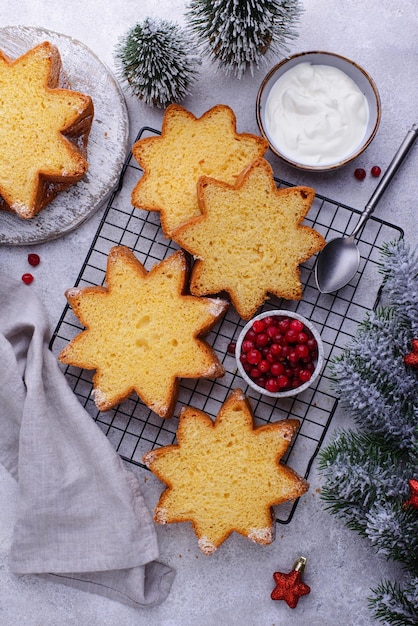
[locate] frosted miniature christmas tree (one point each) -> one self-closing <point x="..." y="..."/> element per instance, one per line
<point x="157" y="59"/>
<point x="237" y="34"/>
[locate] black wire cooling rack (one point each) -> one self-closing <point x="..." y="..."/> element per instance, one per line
<point x="132" y="428"/>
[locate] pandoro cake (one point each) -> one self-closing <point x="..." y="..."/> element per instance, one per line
<point x="143" y="332"/>
<point x="188" y="148"/>
<point x="44" y="130"/>
<point x="249" y="239"/>
<point x="226" y="475"/>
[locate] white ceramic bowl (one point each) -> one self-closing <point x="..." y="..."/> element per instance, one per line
<point x="319" y="361"/>
<point x="360" y="77"/>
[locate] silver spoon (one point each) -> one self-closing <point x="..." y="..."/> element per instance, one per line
<point x="338" y="261"/>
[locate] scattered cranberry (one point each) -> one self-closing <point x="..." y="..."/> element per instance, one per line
<point x="34" y="259"/>
<point x="360" y="173"/>
<point x="231" y="347"/>
<point x="375" y="171"/>
<point x="279" y="353"/>
<point x="27" y="279"/>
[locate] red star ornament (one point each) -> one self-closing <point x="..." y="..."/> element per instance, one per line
<point x="289" y="587"/>
<point x="413" y="500"/>
<point x="412" y="358"/>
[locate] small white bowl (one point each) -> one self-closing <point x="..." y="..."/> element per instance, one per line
<point x="356" y="73"/>
<point x="288" y="392"/>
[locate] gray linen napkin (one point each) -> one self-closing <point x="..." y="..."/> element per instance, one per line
<point x="81" y="517"/>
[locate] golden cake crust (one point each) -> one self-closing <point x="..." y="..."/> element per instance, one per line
<point x="143" y="332"/>
<point x="225" y="476"/>
<point x="249" y="239"/>
<point x="190" y="147"/>
<point x="44" y="131"/>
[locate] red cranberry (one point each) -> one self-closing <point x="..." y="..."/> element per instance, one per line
<point x="276" y="349"/>
<point x="254" y="356"/>
<point x="27" y="279"/>
<point x="259" y="326"/>
<point x="304" y="375"/>
<point x="271" y="330"/>
<point x="231" y="347"/>
<point x="302" y="337"/>
<point x="291" y="335"/>
<point x="247" y="366"/>
<point x="297" y="325"/>
<point x="262" y="339"/>
<point x="285" y="352"/>
<point x="247" y="345"/>
<point x="270" y="321"/>
<point x="284" y="325"/>
<point x="311" y="343"/>
<point x="302" y="350"/>
<point x="34" y="259"/>
<point x="282" y="381"/>
<point x="272" y="385"/>
<point x="360" y="173"/>
<point x="276" y="369"/>
<point x="264" y="366"/>
<point x="375" y="171"/>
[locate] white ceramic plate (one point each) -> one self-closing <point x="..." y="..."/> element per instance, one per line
<point x="108" y="140"/>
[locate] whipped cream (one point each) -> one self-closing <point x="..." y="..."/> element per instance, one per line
<point x="316" y="114"/>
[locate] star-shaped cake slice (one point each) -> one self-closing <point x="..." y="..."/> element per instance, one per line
<point x="250" y="240"/>
<point x="143" y="332"/>
<point x="188" y="148"/>
<point x="225" y="476"/>
<point x="44" y="130"/>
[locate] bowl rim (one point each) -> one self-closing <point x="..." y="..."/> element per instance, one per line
<point x="363" y="145"/>
<point x="290" y="392"/>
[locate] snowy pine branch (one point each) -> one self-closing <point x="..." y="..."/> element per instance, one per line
<point x="374" y="383"/>
<point x="359" y="471"/>
<point x="367" y="473"/>
<point x="392" y="530"/>
<point x="157" y="59"/>
<point x="400" y="271"/>
<point x="396" y="604"/>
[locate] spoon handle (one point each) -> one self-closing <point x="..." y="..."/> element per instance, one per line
<point x="387" y="177"/>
